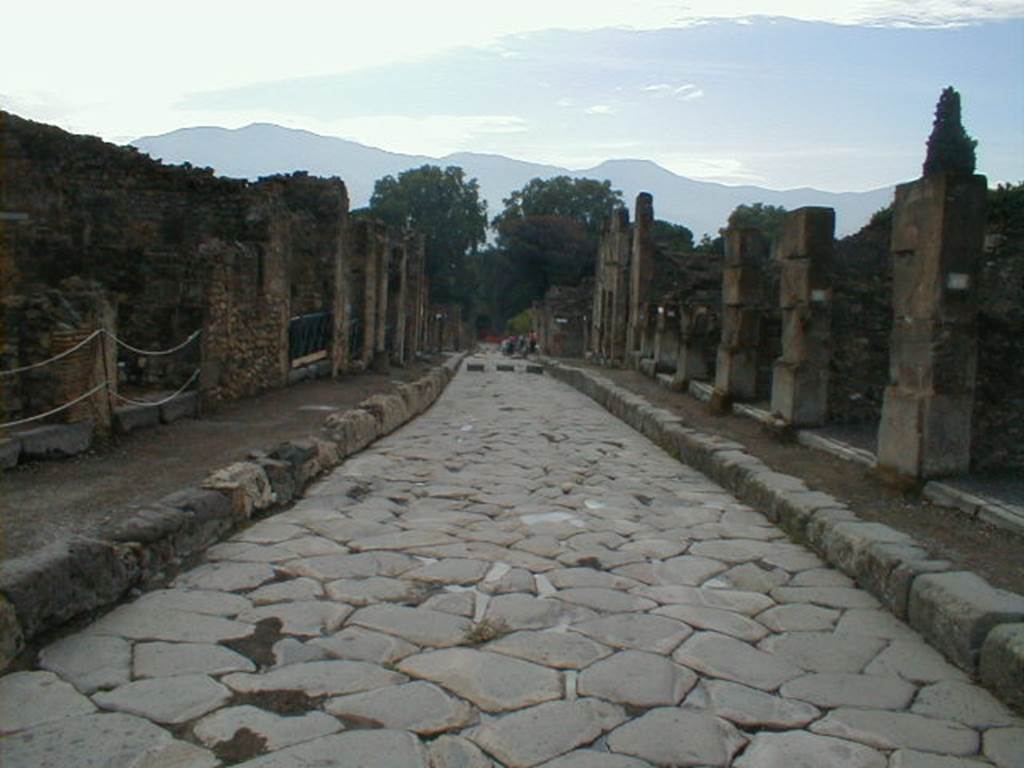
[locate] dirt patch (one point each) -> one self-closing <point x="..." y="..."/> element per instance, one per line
<point x="994" y="553"/>
<point x="44" y="500"/>
<point x="244" y="745"/>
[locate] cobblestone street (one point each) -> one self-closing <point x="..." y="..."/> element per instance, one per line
<point x="516" y="578"/>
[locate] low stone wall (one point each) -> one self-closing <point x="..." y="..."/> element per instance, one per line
<point x="978" y="627"/>
<point x="69" y="578"/>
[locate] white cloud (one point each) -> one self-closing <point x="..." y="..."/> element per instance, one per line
<point x="565" y="101"/>
<point x="685" y="92"/>
<point x="600" y="109"/>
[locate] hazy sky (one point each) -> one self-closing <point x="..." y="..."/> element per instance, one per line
<point x="837" y="95"/>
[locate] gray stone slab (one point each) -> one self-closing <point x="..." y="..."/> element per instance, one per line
<point x="139" y="621"/>
<point x="824" y="651"/>
<point x="751" y="708"/>
<point x="166" y="700"/>
<point x="456" y="752"/>
<point x="1004" y="746"/>
<point x="896" y="730"/>
<point x="316" y="678"/>
<point x="561" y="650"/>
<point x="211" y="603"/>
<point x="588" y="758"/>
<point x="89" y="662"/>
<point x="798" y="749"/>
<point x="449" y="571"/>
<point x="416" y="625"/>
<point x="964" y="703"/>
<point x="131" y="417"/>
<point x="278" y="732"/>
<point x="642" y="632"/>
<point x="492" y="681"/>
<point x="226" y="577"/>
<point x="730" y="659"/>
<point x="357" y="566"/>
<point x="97" y="740"/>
<point x="55" y="441"/>
<point x="726" y="622"/>
<point x="636" y="678"/>
<point x="680" y="737"/>
<point x="10" y="451"/>
<point x="29" y="699"/>
<point x="911" y="758"/>
<point x="828" y="597"/>
<point x="170" y="659"/>
<point x="747" y="603"/>
<point x="358" y="644"/>
<point x="605" y="600"/>
<point x="285" y="591"/>
<point x="568" y="578"/>
<point x="845" y="690"/>
<point x="362" y="749"/>
<point x="1002" y="662"/>
<point x="798" y="618"/>
<point x="419" y="707"/>
<point x="375" y="589"/>
<point x="914" y="661"/>
<point x="306" y="618"/>
<point x="531" y="736"/>
<point x="955" y="612"/>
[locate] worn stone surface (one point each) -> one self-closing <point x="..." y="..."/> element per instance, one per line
<point x="1004" y="746"/>
<point x="277" y="731"/>
<point x="28" y="699"/>
<point x="1002" y="662"/>
<point x="167" y="699"/>
<point x="360" y="748"/>
<point x="316" y="678"/>
<point x="846" y="690"/>
<point x="561" y="650"/>
<point x="749" y="707"/>
<point x="893" y="730"/>
<point x="89" y="663"/>
<point x="799" y="749"/>
<point x="419" y="707"/>
<point x="668" y="736"/>
<point x="161" y="659"/>
<point x="636" y="678"/>
<point x="730" y="659"/>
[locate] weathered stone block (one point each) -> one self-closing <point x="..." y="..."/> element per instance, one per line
<point x="741" y="327"/>
<point x="794" y="509"/>
<point x="475" y="367"/>
<point x="807" y="335"/>
<point x="56" y="440"/>
<point x="800" y="393"/>
<point x="246" y="483"/>
<point x="806" y="232"/>
<point x="924" y="436"/>
<point x="956" y="611"/>
<point x="742" y="286"/>
<point x="888" y="571"/>
<point x="1002" y="663"/>
<point x="928" y="355"/>
<point x="184" y="406"/>
<point x="11" y="639"/>
<point x="745" y="246"/>
<point x="736" y="373"/>
<point x="132" y="417"/>
<point x="805" y="281"/>
<point x="10" y="451"/>
<point x="282" y="476"/>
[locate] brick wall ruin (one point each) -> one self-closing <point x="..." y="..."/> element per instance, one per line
<point x="175" y="249"/>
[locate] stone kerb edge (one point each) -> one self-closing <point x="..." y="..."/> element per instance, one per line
<point x="978" y="627"/>
<point x="71" y="577"/>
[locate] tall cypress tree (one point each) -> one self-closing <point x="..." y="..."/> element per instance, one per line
<point x="950" y="149"/>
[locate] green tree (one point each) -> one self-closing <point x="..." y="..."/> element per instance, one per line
<point x="448" y="211"/>
<point x="950" y="149"/>
<point x="586" y="201"/>
<point x="766" y="218"/>
<point x="672" y="238"/>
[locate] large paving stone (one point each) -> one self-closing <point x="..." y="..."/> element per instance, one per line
<point x="911" y="758"/>
<point x="846" y="690"/>
<point x="166" y="700"/>
<point x="531" y="736"/>
<point x="28" y="699"/>
<point x="316" y="678"/>
<point x="678" y="737"/>
<point x="515" y="612"/>
<point x="89" y="662"/>
<point x="208" y="602"/>
<point x="562" y="650"/>
<point x="869" y="623"/>
<point x="456" y="752"/>
<point x="687" y="570"/>
<point x="358" y="566"/>
<point x="450" y="571"/>
<point x="828" y="597"/>
<point x="418" y="706"/>
<point x="730" y="659"/>
<point x="374" y="590"/>
<point x="751" y="708"/>
<point x="726" y="622"/>
<point x="895" y="730"/>
<point x="824" y="651"/>
<point x="417" y="625"/>
<point x="277" y="732"/>
<point x="139" y="621"/>
<point x="492" y="681"/>
<point x="98" y="740"/>
<point x="798" y="749"/>
<point x="161" y="659"/>
<point x="636" y="678"/>
<point x="358" y="644"/>
<point x="955" y="612"/>
<point x="914" y="661"/>
<point x="286" y="591"/>
<point x="1002" y="662"/>
<point x="226" y="577"/>
<point x="964" y="703"/>
<point x="746" y="603"/>
<point x="1005" y="746"/>
<point x="605" y="600"/>
<point x="798" y="618"/>
<point x="642" y="632"/>
<point x="400" y="540"/>
<point x="307" y="618"/>
<point x="588" y="758"/>
<point x="361" y="749"/>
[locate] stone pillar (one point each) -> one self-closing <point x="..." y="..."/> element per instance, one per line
<point x="362" y="273"/>
<point x="800" y="375"/>
<point x="641" y="323"/>
<point x="382" y="257"/>
<point x="340" y="299"/>
<point x="396" y="300"/>
<point x="618" y="309"/>
<point x="691" y="363"/>
<point x="938" y="232"/>
<point x="414" y="265"/>
<point x="746" y="251"/>
<point x="666" y="339"/>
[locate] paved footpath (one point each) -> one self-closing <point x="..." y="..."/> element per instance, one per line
<point x="516" y="579"/>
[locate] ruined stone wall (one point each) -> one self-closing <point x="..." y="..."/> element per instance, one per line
<point x="563" y="319"/>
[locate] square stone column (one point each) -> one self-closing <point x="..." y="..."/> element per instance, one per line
<point x="938" y="233"/>
<point x="381" y="255"/>
<point x="691" y="364"/>
<point x="639" y="332"/>
<point x="746" y="251"/>
<point x="800" y="375"/>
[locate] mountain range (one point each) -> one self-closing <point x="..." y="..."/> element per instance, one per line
<point x="262" y="149"/>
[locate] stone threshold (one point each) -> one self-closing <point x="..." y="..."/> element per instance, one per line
<point x="976" y="626"/>
<point x="70" y="578"/>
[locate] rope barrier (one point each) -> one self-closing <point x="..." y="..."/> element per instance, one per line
<point x="93" y="335"/>
<point x="154" y="353"/>
<point x="55" y="358"/>
<point x="154" y="404"/>
<point x="56" y="410"/>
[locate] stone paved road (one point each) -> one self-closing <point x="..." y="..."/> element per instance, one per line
<point x="514" y="579"/>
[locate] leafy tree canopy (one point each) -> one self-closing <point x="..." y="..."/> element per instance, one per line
<point x="448" y="211"/>
<point x="950" y="149"/>
<point x="671" y="238"/>
<point x="584" y="200"/>
<point x="766" y="218"/>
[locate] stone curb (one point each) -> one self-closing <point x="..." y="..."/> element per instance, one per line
<point x="981" y="507"/>
<point x="70" y="577"/>
<point x="978" y="627"/>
